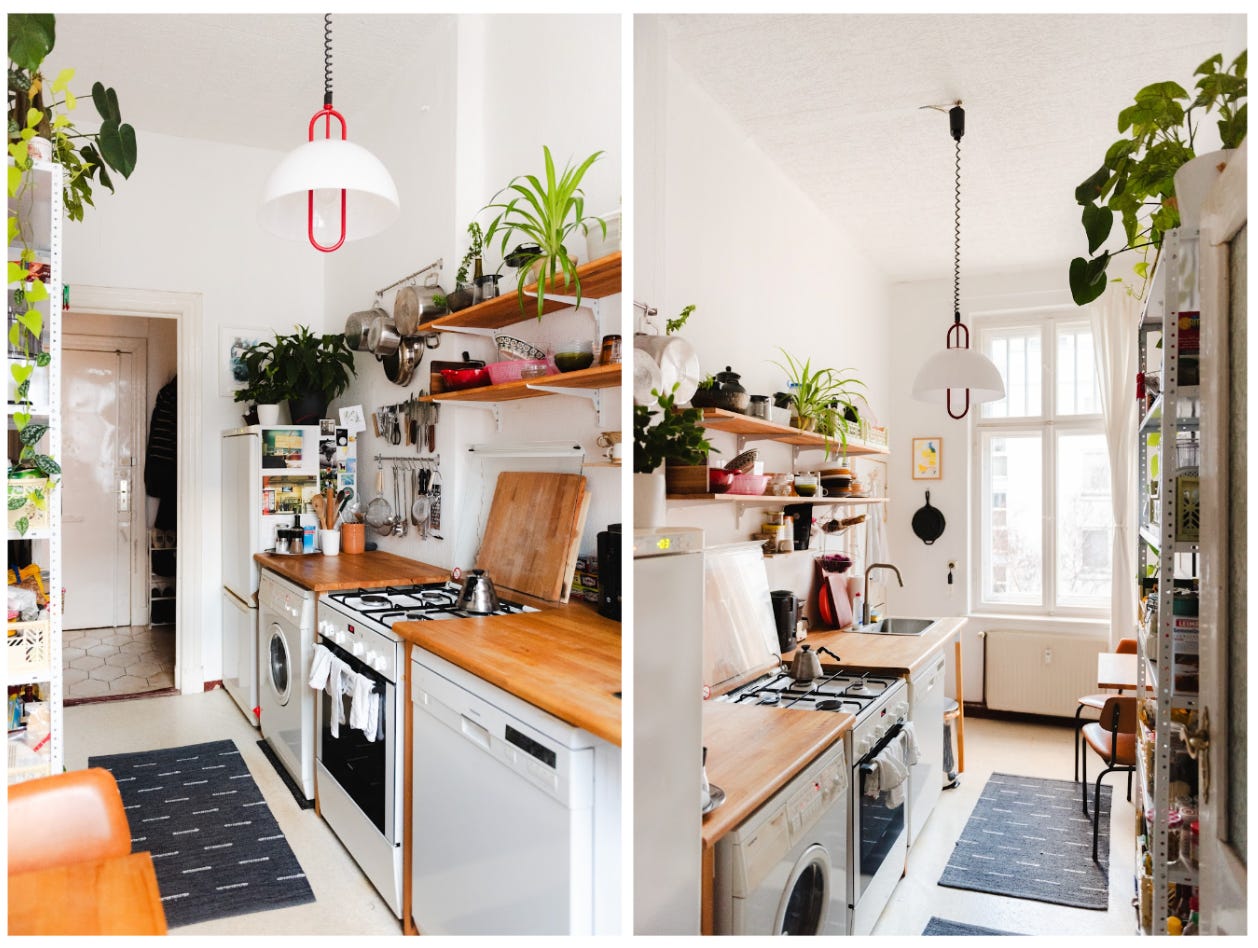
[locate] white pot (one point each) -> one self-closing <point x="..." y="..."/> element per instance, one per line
<point x="1193" y="182"/>
<point x="39" y="148"/>
<point x="649" y="506"/>
<point x="596" y="245"/>
<point x="268" y="414"/>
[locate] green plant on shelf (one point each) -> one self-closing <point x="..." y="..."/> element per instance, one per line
<point x="667" y="433"/>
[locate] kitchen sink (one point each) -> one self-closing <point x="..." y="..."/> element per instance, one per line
<point x="897" y="625"/>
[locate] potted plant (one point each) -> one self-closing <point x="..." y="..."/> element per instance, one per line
<point x="262" y="390"/>
<point x="463" y="295"/>
<point x="820" y="398"/>
<point x="306" y="369"/>
<point x="1138" y="179"/>
<point x="546" y="214"/>
<point x="673" y="439"/>
<point x="83" y="155"/>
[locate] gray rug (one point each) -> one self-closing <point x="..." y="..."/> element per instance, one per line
<point x="216" y="847"/>
<point x="942" y="926"/>
<point x="1028" y="838"/>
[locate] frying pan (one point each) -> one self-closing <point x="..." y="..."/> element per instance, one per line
<point x="928" y="522"/>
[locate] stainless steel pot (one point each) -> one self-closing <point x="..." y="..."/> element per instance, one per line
<point x="358" y="325"/>
<point x="383" y="337"/>
<point x="401" y="365"/>
<point x="428" y="310"/>
<point x="477" y="597"/>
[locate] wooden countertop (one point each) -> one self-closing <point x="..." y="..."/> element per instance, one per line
<point x="895" y="654"/>
<point x="111" y="897"/>
<point x="321" y="573"/>
<point x="564" y="659"/>
<point x="753" y="751"/>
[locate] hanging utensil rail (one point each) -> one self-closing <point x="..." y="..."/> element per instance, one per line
<point x="437" y="264"/>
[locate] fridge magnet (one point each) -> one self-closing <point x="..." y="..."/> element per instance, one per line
<point x="927" y="459"/>
<point x="352" y="419"/>
<point x="233" y="344"/>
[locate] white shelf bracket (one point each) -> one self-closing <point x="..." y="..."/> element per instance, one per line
<point x="470" y="330"/>
<point x="494" y="408"/>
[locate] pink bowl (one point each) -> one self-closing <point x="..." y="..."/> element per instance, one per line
<point x="749" y="484"/>
<point x="719" y="479"/>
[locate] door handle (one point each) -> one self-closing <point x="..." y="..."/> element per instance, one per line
<point x="124" y="495"/>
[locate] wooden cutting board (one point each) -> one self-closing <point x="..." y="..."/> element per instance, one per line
<point x="534" y="529"/>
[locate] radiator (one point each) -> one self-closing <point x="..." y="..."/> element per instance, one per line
<point x="1039" y="672"/>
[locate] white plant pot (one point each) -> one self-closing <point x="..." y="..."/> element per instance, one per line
<point x="268" y="414"/>
<point x="649" y="505"/>
<point x="596" y="245"/>
<point x="1193" y="182"/>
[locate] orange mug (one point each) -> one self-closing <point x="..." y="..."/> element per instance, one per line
<point x="353" y="537"/>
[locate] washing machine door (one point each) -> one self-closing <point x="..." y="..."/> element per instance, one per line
<point x="279" y="664"/>
<point x="806" y="897"/>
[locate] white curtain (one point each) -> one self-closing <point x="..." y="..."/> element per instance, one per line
<point x="1115" y="318"/>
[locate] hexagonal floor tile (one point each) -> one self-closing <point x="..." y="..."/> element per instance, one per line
<point x="120" y="659"/>
<point x="133" y="647"/>
<point x="102" y="650"/>
<point x="87" y="641"/>
<point x="89" y="689"/>
<point x="118" y="638"/>
<point x="128" y="683"/>
<point x="88" y="662"/>
<point x="71" y="675"/>
<point x="106" y="673"/>
<point x="145" y="669"/>
<point x="163" y="679"/>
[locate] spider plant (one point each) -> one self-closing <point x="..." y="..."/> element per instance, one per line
<point x="545" y="214"/>
<point x="820" y="396"/>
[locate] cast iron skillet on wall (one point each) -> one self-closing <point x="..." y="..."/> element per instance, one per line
<point x="928" y="522"/>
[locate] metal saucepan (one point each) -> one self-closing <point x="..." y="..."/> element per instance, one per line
<point x="383" y="337"/>
<point x="400" y="365"/>
<point x="379" y="514"/>
<point x="358" y="326"/>
<point x="428" y="310"/>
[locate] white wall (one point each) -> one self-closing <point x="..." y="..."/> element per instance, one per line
<point x="921" y="315"/>
<point x="720" y="226"/>
<point x="482" y="127"/>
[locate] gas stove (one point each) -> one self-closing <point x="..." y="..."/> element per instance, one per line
<point x="419" y="603"/>
<point x="835" y="690"/>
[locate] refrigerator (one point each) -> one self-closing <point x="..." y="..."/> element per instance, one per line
<point x="269" y="475"/>
<point x="668" y="592"/>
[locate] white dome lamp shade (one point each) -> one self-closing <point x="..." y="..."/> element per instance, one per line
<point x="328" y="190"/>
<point x="958" y="368"/>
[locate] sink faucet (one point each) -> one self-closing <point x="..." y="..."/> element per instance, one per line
<point x="868" y="569"/>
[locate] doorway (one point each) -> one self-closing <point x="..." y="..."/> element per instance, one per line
<point x="118" y="631"/>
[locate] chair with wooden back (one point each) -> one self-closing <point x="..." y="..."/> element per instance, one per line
<point x="67" y="818"/>
<point x="1113" y="737"/>
<point x="1097" y="701"/>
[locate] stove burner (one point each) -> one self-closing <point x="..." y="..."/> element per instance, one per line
<point x="829" y="704"/>
<point x="860" y="689"/>
<point x="769" y="697"/>
<point x="373" y="600"/>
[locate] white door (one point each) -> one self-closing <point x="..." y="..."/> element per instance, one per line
<point x="1222" y="735"/>
<point x="102" y="525"/>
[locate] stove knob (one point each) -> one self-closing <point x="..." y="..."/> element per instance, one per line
<point x="378" y="662"/>
<point x="338" y="636"/>
<point x="358" y="648"/>
<point x="862" y="747"/>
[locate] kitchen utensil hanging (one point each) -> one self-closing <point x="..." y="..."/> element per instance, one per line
<point x="928" y="522"/>
<point x="358" y="326"/>
<point x="379" y="515"/>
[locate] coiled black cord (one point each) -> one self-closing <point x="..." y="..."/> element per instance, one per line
<point x="956" y="122"/>
<point x="327" y="59"/>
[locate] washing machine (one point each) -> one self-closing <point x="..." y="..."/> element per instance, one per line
<point x="286" y="618"/>
<point x="783" y="871"/>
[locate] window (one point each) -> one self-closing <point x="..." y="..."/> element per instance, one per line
<point x="1045" y="525"/>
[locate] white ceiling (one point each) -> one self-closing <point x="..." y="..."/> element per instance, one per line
<point x="834" y="100"/>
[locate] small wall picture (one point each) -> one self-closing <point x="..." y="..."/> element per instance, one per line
<point x="927" y="459"/>
<point x="233" y="344"/>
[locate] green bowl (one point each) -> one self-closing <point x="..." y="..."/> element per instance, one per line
<point x="572" y="361"/>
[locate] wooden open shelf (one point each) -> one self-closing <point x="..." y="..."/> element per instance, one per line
<point x="599" y="278"/>
<point x="718" y="419"/>
<point x="767" y="500"/>
<point x="595" y="377"/>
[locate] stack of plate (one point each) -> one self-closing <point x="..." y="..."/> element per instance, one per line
<point x="660" y="362"/>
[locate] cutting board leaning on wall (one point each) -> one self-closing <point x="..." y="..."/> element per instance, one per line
<point x="533" y="533"/>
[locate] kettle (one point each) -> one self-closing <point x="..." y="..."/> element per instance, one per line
<point x="477" y="597"/>
<point x="805" y="666"/>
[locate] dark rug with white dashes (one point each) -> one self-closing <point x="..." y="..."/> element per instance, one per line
<point x="1028" y="838"/>
<point x="216" y="847"/>
<point x="942" y="926"/>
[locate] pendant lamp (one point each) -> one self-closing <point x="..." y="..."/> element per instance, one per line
<point x="328" y="190"/>
<point x="958" y="370"/>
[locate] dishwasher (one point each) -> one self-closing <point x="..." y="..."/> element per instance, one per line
<point x="926" y="708"/>
<point x="504" y="836"/>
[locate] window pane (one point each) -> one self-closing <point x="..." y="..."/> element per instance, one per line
<point x="1077" y="386"/>
<point x="1013" y="512"/>
<point x="1016" y="353"/>
<point x="1085" y="521"/>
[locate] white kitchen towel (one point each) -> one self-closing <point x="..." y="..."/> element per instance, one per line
<point x="360" y="704"/>
<point x="320" y="665"/>
<point x="375" y="717"/>
<point x="891" y="768"/>
<point x="340" y="682"/>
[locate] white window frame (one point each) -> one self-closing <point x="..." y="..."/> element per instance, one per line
<point x="1050" y="426"/>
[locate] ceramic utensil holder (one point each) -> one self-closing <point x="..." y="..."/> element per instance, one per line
<point x="353" y="537"/>
<point x="330" y="542"/>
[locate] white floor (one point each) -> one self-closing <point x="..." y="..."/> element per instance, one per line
<point x="345" y="902"/>
<point x="1032" y="750"/>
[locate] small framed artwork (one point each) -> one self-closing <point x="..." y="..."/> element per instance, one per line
<point x="927" y="459"/>
<point x="233" y="344"/>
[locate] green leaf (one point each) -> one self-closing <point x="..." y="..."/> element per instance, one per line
<point x="20" y="372"/>
<point x="32" y="433"/>
<point x="1087" y="278"/>
<point x="15" y="335"/>
<point x="32" y="320"/>
<point x="31" y="38"/>
<point x="21" y="419"/>
<point x="106" y="102"/>
<point x="17" y="272"/>
<point x="15" y="179"/>
<point x="17" y="503"/>
<point x="43" y="360"/>
<point x="1091" y="189"/>
<point x="46" y="465"/>
<point x="24" y="391"/>
<point x="62" y="80"/>
<point x="23" y="524"/>
<point x="117" y="146"/>
<point x="14" y="228"/>
<point x="36" y="293"/>
<point x="1097" y="223"/>
<point x="71" y="102"/>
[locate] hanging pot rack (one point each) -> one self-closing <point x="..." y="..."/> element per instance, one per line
<point x="436" y="264"/>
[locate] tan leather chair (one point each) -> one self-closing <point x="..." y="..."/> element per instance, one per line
<point x="1113" y="737"/>
<point x="1097" y="701"/>
<point x="71" y="817"/>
